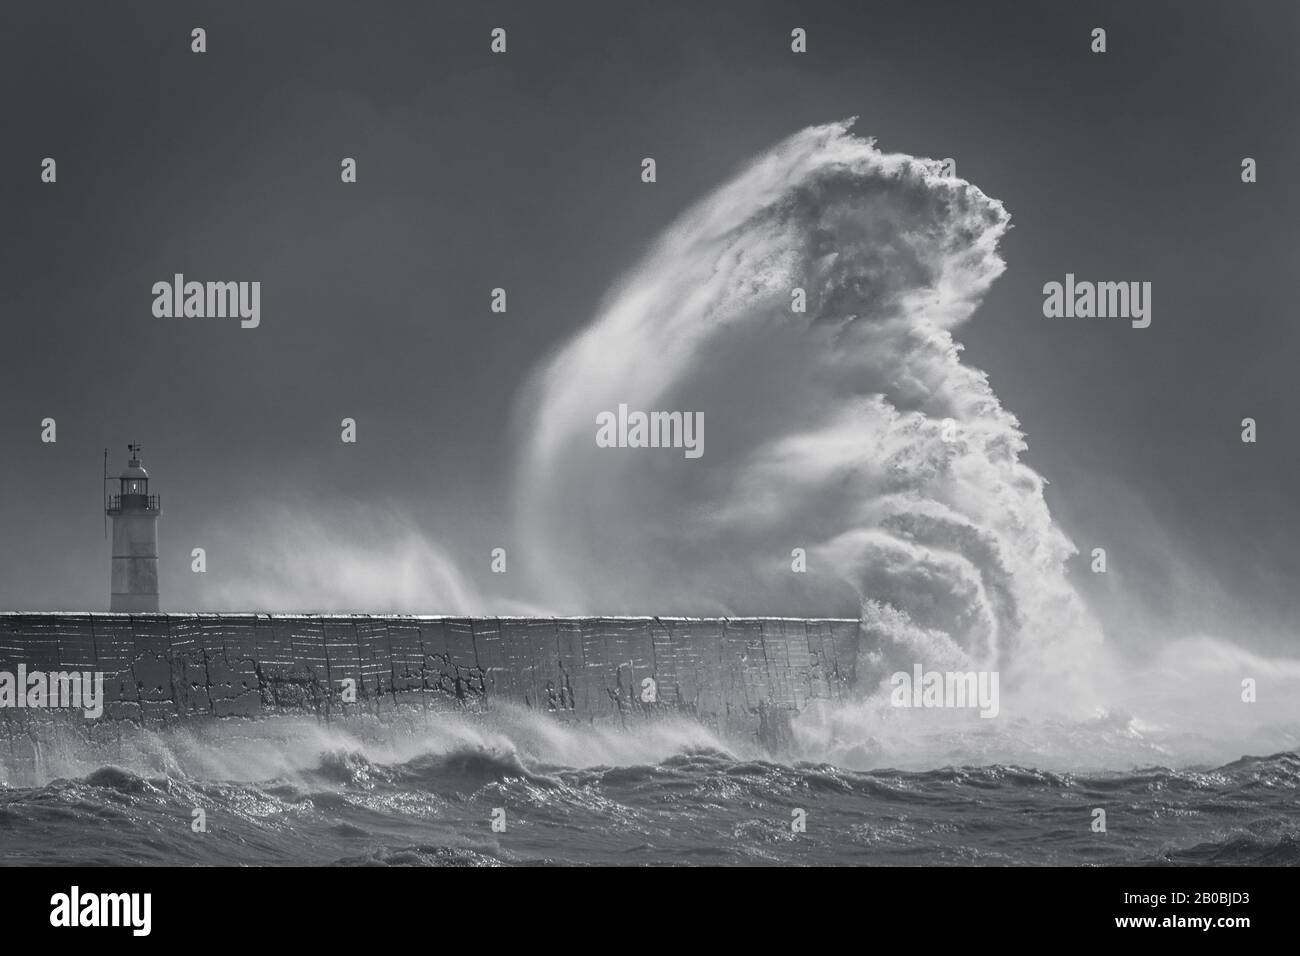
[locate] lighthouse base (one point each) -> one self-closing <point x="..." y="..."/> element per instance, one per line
<point x="133" y="602"/>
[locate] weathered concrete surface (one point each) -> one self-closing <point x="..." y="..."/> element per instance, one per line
<point x="746" y="677"/>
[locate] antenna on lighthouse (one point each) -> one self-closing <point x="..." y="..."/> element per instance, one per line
<point x="103" y="492"/>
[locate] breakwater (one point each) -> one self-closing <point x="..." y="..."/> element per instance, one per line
<point x="745" y="677"/>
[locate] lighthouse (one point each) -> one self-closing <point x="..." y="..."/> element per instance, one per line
<point x="135" y="539"/>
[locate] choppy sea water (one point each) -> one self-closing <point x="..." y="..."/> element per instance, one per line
<point x="293" y="792"/>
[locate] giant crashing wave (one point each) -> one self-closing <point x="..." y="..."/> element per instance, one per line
<point x="852" y="430"/>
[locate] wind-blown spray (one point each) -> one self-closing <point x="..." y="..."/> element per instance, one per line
<point x="852" y="430"/>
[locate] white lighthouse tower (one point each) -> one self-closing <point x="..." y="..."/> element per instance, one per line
<point x="135" y="540"/>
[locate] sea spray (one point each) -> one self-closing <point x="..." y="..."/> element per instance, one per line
<point x="808" y="307"/>
<point x="851" y="430"/>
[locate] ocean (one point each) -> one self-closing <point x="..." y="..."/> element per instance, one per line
<point x="529" y="791"/>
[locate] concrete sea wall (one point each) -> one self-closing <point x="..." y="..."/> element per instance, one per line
<point x="746" y="677"/>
